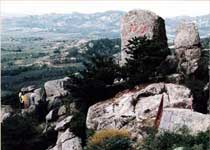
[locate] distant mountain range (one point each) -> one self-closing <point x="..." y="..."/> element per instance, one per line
<point x="96" y="25"/>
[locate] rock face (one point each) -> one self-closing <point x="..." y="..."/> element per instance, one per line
<point x="136" y="109"/>
<point x="62" y="124"/>
<point x="187" y="47"/>
<point x="55" y="91"/>
<point x="57" y="88"/>
<point x="173" y="119"/>
<point x="68" y="141"/>
<point x="139" y="23"/>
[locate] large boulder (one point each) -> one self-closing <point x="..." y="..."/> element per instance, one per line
<point x="174" y="119"/>
<point x="57" y="88"/>
<point x="67" y="141"/>
<point x="139" y="23"/>
<point x="187" y="47"/>
<point x="187" y="35"/>
<point x="137" y="109"/>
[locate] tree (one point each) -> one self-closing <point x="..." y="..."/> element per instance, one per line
<point x="98" y="75"/>
<point x="144" y="58"/>
<point x="103" y="68"/>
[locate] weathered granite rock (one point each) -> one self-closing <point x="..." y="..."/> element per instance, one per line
<point x="28" y="88"/>
<point x="37" y="94"/>
<point x="139" y="23"/>
<point x="52" y="115"/>
<point x="135" y="110"/>
<point x="68" y="141"/>
<point x="187" y="36"/>
<point x="56" y="88"/>
<point x="187" y="48"/>
<point x="55" y="91"/>
<point x="6" y="112"/>
<point x="62" y="110"/>
<point x="174" y="119"/>
<point x="62" y="124"/>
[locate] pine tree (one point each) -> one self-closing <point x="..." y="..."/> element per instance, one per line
<point x="144" y="57"/>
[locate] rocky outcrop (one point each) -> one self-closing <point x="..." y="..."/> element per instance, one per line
<point x="67" y="141"/>
<point x="58" y="121"/>
<point x="29" y="88"/>
<point x="57" y="88"/>
<point x="174" y="119"/>
<point x="55" y="91"/>
<point x="6" y="112"/>
<point x="187" y="47"/>
<point x="187" y="36"/>
<point x="139" y="23"/>
<point x="137" y="109"/>
<point x="63" y="124"/>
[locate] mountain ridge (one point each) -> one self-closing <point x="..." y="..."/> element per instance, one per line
<point x="94" y="25"/>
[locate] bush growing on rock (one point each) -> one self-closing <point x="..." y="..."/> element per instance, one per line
<point x="110" y="139"/>
<point x="181" y="138"/>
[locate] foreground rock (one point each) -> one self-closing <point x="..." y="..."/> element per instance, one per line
<point x="137" y="109"/>
<point x="173" y="119"/>
<point x="67" y="141"/>
<point x="139" y="23"/>
<point x="187" y="47"/>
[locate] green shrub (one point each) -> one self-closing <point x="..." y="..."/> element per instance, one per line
<point x="78" y="125"/>
<point x="110" y="139"/>
<point x="18" y="132"/>
<point x="182" y="138"/>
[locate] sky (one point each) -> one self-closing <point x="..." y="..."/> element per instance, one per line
<point x="163" y="8"/>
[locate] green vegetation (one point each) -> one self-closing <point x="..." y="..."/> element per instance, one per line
<point x="145" y="57"/>
<point x="18" y="132"/>
<point x="205" y="43"/>
<point x="78" y="124"/>
<point x="170" y="141"/>
<point x="24" y="132"/>
<point x="34" y="60"/>
<point x="110" y="139"/>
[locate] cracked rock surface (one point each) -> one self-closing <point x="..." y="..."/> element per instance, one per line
<point x="173" y="119"/>
<point x="134" y="110"/>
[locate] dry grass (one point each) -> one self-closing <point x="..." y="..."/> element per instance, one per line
<point x="102" y="135"/>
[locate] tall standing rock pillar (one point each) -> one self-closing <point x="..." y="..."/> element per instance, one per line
<point x="187" y="47"/>
<point x="139" y="23"/>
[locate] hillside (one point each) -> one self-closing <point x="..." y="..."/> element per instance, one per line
<point x="78" y="25"/>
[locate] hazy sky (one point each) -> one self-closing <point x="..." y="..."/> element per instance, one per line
<point x="164" y="8"/>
